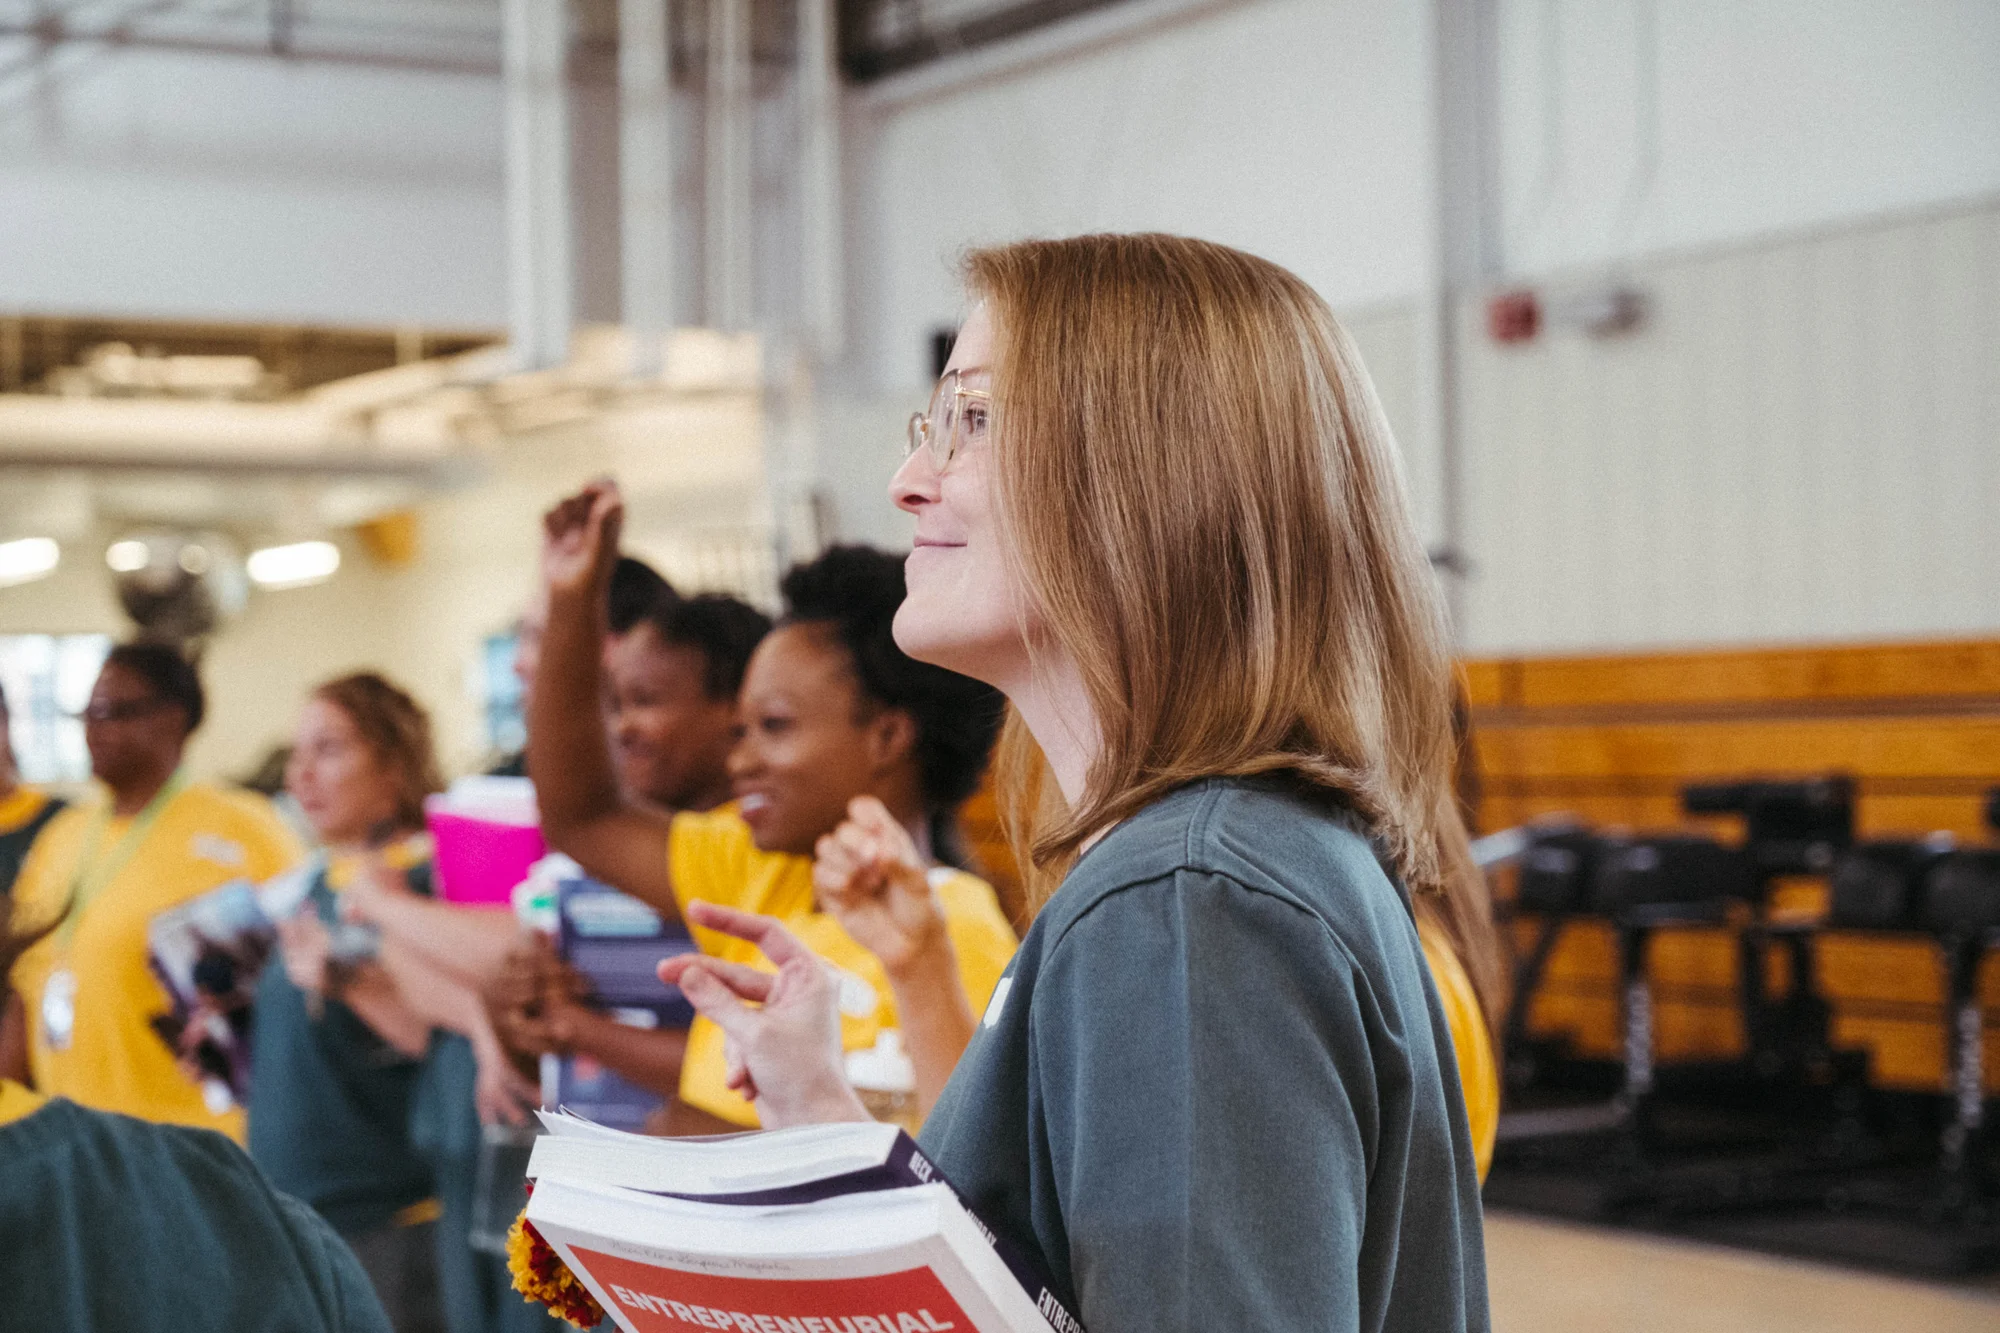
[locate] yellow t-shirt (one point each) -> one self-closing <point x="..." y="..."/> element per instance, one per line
<point x="713" y="857"/>
<point x="1471" y="1042"/>
<point x="17" y="1102"/>
<point x="22" y="806"/>
<point x="202" y="839"/>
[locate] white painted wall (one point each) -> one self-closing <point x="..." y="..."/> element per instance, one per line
<point x="1786" y="452"/>
<point x="1773" y="117"/>
<point x="1298" y="129"/>
<point x="1802" y="443"/>
<point x="173" y="184"/>
<point x="145" y="183"/>
<point x="1293" y="128"/>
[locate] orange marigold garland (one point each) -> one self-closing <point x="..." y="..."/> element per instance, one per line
<point x="541" y="1275"/>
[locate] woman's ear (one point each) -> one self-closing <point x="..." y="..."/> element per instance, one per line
<point x="892" y="738"/>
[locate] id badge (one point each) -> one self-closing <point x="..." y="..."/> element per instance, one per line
<point x="59" y="1009"/>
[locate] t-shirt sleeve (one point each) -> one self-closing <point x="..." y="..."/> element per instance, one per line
<point x="1202" y="1065"/>
<point x="352" y="1304"/>
<point x="34" y="890"/>
<point x="1472" y="1045"/>
<point x="269" y="845"/>
<point x="708" y="858"/>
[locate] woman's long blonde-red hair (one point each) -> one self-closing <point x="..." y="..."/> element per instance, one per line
<point x="1203" y="502"/>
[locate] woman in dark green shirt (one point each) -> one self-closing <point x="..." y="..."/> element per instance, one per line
<point x="337" y="1045"/>
<point x="1157" y="505"/>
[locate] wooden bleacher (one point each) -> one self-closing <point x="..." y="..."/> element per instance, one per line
<point x="1612" y="739"/>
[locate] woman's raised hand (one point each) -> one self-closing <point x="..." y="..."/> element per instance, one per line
<point x="869" y="876"/>
<point x="783" y="1029"/>
<point x="580" y="539"/>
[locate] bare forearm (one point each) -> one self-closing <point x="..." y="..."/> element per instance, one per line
<point x="469" y="943"/>
<point x="568" y="756"/>
<point x="584" y="815"/>
<point x="650" y="1059"/>
<point x="374" y="997"/>
<point x="936" y="1018"/>
<point x="434" y="994"/>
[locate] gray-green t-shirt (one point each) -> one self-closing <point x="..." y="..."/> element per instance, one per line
<point x="1216" y="1089"/>
<point x="112" y="1223"/>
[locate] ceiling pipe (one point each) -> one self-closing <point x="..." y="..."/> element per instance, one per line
<point x="821" y="296"/>
<point x="535" y="39"/>
<point x="645" y="181"/>
<point x="727" y="242"/>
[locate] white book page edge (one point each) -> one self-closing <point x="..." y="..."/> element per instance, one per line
<point x="731" y="1164"/>
<point x="926" y="1227"/>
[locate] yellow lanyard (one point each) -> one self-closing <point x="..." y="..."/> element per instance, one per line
<point x="93" y="873"/>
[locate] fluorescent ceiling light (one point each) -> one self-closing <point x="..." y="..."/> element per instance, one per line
<point x="128" y="556"/>
<point x="28" y="559"/>
<point x="294" y="566"/>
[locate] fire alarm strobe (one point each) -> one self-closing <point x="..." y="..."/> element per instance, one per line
<point x="1513" y="317"/>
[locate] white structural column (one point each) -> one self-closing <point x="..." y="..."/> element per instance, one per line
<point x="539" y="281"/>
<point x="821" y="297"/>
<point x="645" y="181"/>
<point x="1466" y="256"/>
<point x="727" y="245"/>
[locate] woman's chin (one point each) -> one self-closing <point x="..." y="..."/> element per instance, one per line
<point x="931" y="634"/>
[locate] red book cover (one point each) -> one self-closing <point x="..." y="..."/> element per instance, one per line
<point x="906" y="1260"/>
<point x="658" y="1300"/>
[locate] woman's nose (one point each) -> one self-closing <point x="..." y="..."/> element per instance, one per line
<point x="915" y="483"/>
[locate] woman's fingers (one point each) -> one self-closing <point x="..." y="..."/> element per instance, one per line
<point x="714" y="1000"/>
<point x="749" y="983"/>
<point x="606" y="517"/>
<point x="766" y="932"/>
<point x="832" y="866"/>
<point x="890" y="837"/>
<point x="690" y="971"/>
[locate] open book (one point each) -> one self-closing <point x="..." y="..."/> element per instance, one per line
<point x="825" y="1229"/>
<point x="207" y="954"/>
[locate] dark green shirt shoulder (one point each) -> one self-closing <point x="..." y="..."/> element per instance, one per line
<point x="330" y="1100"/>
<point x="112" y="1223"/>
<point x="1216" y="1088"/>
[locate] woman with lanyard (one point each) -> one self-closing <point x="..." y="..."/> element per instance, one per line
<point x="1158" y="506"/>
<point x="79" y="1019"/>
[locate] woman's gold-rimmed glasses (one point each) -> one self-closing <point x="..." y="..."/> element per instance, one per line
<point x="957" y="417"/>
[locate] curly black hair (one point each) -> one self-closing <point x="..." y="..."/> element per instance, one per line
<point x="168" y="672"/>
<point x="856" y="590"/>
<point x="724" y="630"/>
<point x="636" y="588"/>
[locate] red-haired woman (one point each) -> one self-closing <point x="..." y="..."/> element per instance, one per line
<point x="1158" y="507"/>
